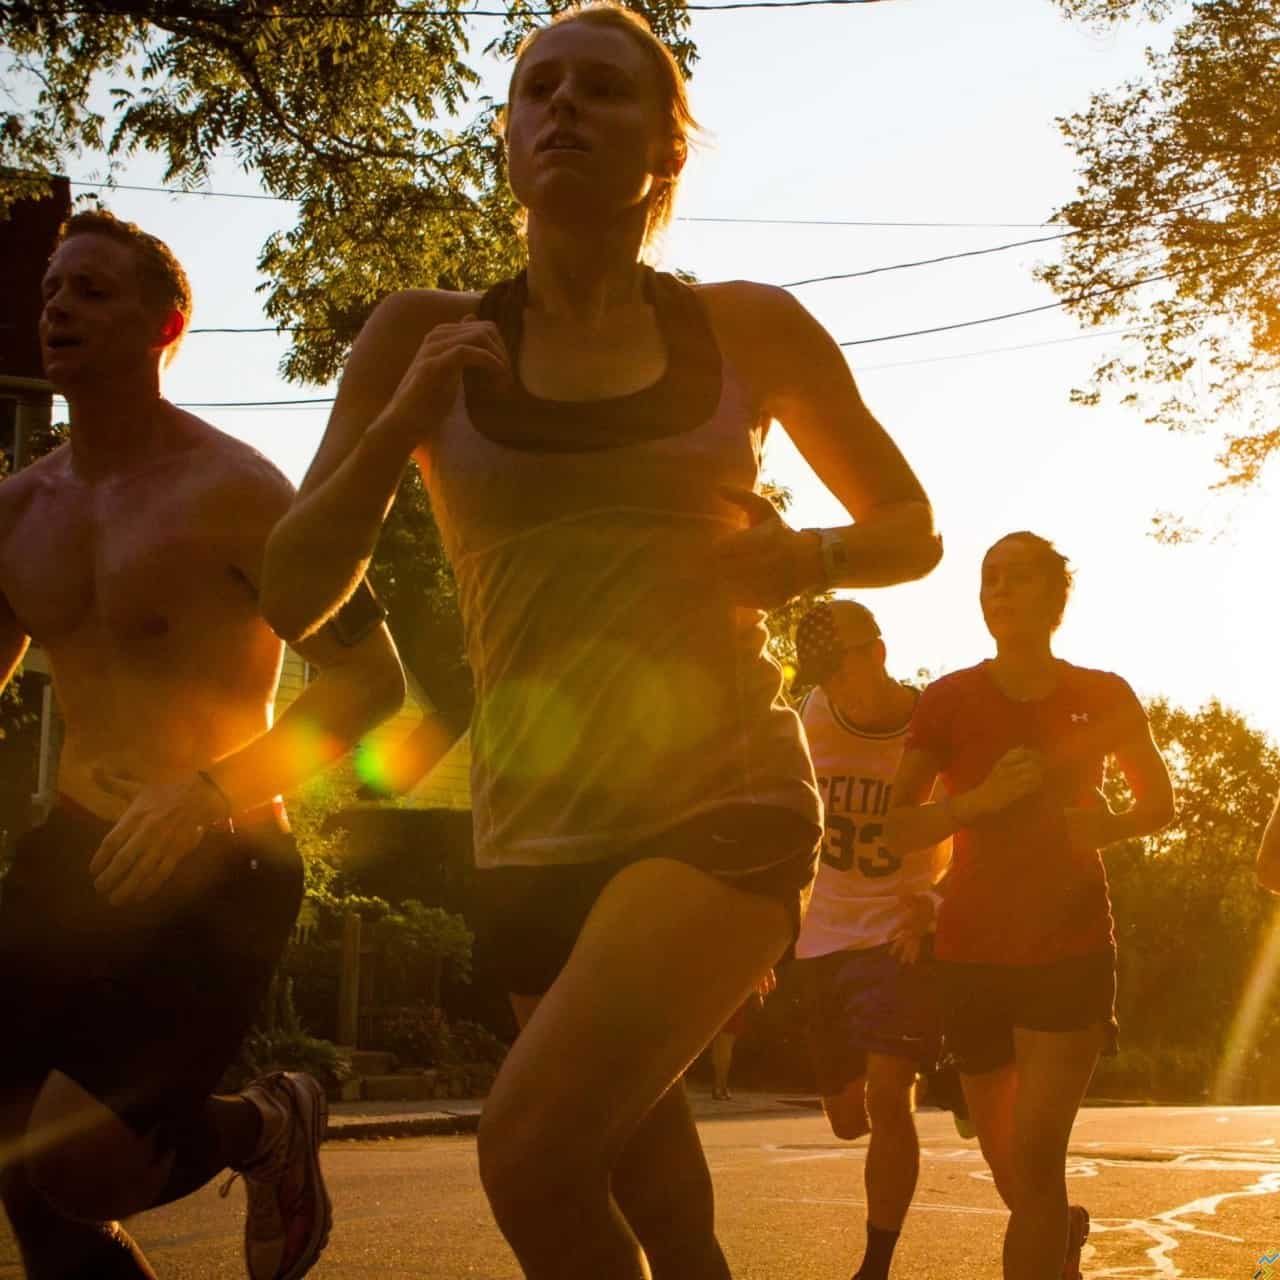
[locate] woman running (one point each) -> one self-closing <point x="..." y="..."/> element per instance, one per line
<point x="1025" y="942"/>
<point x="646" y="817"/>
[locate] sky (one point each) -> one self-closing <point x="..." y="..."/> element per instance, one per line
<point x="916" y="111"/>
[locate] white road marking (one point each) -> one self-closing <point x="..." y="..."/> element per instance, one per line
<point x="916" y="1205"/>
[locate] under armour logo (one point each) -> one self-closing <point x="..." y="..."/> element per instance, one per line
<point x="1081" y="717"/>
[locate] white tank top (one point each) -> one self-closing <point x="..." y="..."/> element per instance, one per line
<point x="618" y="693"/>
<point x="859" y="898"/>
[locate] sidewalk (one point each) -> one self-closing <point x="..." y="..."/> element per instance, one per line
<point x="365" y="1120"/>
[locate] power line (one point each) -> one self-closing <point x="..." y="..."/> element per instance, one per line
<point x="179" y="191"/>
<point x="349" y="15"/>
<point x="929" y="262"/>
<point x="864" y="222"/>
<point x="757" y="222"/>
<point x="1050" y="306"/>
<point x="325" y="401"/>
<point x="995" y="351"/>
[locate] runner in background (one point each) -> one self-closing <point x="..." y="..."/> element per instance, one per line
<point x="864" y="955"/>
<point x="726" y="1039"/>
<point x="1025" y="944"/>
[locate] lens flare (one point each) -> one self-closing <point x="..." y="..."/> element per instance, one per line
<point x="1233" y="1070"/>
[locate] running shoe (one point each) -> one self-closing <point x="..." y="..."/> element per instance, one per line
<point x="288" y="1210"/>
<point x="944" y="1090"/>
<point x="1077" y="1234"/>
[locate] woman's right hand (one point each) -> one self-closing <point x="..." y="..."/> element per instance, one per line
<point x="430" y="383"/>
<point x="1014" y="776"/>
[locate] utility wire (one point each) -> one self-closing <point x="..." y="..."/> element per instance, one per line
<point x="349" y="15"/>
<point x="757" y="222"/>
<point x="325" y="401"/>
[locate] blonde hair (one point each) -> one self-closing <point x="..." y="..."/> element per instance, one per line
<point x="679" y="118"/>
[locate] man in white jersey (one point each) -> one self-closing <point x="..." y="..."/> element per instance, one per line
<point x="864" y="949"/>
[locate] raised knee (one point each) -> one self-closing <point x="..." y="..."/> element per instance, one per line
<point x="96" y="1184"/>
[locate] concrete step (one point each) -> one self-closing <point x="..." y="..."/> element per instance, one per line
<point x="403" y="1086"/>
<point x="372" y="1062"/>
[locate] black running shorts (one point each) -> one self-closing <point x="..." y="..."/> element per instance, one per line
<point x="144" y="1006"/>
<point x="983" y="1003"/>
<point x="530" y="917"/>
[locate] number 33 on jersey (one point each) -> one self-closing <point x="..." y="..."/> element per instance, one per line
<point x="859" y="899"/>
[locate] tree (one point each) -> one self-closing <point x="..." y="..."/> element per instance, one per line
<point x="1180" y="183"/>
<point x="412" y="576"/>
<point x="364" y="111"/>
<point x="1190" y="918"/>
<point x="367" y="112"/>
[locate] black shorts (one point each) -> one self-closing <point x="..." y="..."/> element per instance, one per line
<point x="144" y="1006"/>
<point x="530" y="917"/>
<point x="983" y="1003"/>
<point x="868" y="1001"/>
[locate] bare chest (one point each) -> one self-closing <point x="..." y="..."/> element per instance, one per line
<point x="128" y="562"/>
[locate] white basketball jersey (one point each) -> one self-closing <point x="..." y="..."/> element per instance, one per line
<point x="859" y="896"/>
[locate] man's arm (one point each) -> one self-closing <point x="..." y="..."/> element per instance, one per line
<point x="1269" y="853"/>
<point x="405" y="763"/>
<point x="356" y="688"/>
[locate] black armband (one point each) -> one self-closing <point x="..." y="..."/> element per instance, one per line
<point x="361" y="614"/>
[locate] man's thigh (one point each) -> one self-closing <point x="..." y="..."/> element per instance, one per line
<point x="143" y="1010"/>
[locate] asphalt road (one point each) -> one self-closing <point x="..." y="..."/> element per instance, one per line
<point x="1174" y="1192"/>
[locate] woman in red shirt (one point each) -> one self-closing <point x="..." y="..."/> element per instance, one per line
<point x="1025" y="941"/>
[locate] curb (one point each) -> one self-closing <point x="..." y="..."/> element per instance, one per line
<point x="448" y="1124"/>
<point x="437" y="1125"/>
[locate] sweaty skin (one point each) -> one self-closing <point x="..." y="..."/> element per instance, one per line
<point x="132" y="554"/>
<point x="140" y="589"/>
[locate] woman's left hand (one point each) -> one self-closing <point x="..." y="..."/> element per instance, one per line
<point x="767" y="563"/>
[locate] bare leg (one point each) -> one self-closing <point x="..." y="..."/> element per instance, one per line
<point x="893" y="1154"/>
<point x="90" y="1164"/>
<point x="637" y="1001"/>
<point x="1054" y="1069"/>
<point x="662" y="1185"/>
<point x="53" y="1246"/>
<point x="991" y="1097"/>
<point x="722" y="1061"/>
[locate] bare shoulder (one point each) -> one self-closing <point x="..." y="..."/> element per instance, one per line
<point x="401" y="320"/>
<point x="766" y="334"/>
<point x="230" y="469"/>
<point x="756" y="310"/>
<point x="22" y="491"/>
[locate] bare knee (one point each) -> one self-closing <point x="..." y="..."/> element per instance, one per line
<point x="890" y="1103"/>
<point x="532" y="1171"/>
<point x="85" y="1161"/>
<point x="1039" y="1170"/>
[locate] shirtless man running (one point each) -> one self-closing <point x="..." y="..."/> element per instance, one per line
<point x="141" y="923"/>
